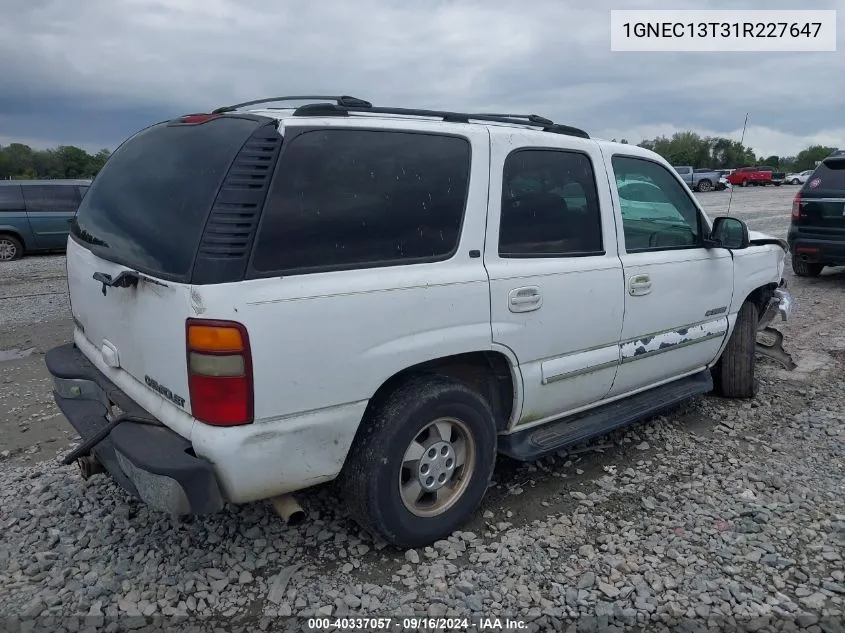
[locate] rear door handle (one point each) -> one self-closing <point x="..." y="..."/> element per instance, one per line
<point x="639" y="285"/>
<point x="525" y="299"/>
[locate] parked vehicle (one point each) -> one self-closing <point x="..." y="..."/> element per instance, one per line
<point x="396" y="297"/>
<point x="778" y="177"/>
<point x="698" y="180"/>
<point x="748" y="176"/>
<point x="34" y="215"/>
<point x="799" y="178"/>
<point x="817" y="230"/>
<point x="722" y="182"/>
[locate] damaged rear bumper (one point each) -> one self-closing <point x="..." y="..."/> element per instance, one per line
<point x="150" y="462"/>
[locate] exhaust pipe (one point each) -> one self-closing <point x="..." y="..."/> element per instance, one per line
<point x="288" y="509"/>
<point x="89" y="466"/>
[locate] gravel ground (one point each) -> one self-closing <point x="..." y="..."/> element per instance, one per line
<point x="718" y="515"/>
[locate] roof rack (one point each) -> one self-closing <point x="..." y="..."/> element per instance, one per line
<point x="534" y="118"/>
<point x="343" y="100"/>
<point x="343" y="109"/>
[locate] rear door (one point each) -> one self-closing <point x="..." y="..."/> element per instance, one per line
<point x="144" y="216"/>
<point x="556" y="288"/>
<point x="49" y="209"/>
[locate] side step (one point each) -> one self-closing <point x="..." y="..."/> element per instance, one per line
<point x="551" y="437"/>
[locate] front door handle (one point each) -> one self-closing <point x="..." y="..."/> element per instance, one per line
<point x="525" y="299"/>
<point x="639" y="285"/>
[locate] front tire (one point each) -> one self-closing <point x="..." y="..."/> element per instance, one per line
<point x="794" y="181"/>
<point x="421" y="462"/>
<point x="733" y="374"/>
<point x="806" y="269"/>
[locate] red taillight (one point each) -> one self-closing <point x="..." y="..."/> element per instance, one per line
<point x="219" y="372"/>
<point x="194" y="119"/>
<point x="796" y="206"/>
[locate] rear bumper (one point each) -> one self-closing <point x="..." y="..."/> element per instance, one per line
<point x="818" y="251"/>
<point x="150" y="462"/>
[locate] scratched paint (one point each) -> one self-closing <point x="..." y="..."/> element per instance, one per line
<point x="196" y="302"/>
<point x="655" y="343"/>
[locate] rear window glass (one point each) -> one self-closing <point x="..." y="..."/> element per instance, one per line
<point x="148" y="205"/>
<point x="51" y="198"/>
<point x="11" y="198"/>
<point x="359" y="198"/>
<point x="831" y="175"/>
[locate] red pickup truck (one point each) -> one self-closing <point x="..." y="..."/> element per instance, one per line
<point x="758" y="176"/>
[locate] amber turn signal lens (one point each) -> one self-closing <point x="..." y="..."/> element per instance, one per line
<point x="212" y="338"/>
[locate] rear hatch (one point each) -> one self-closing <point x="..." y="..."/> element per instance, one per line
<point x="176" y="198"/>
<point x="821" y="201"/>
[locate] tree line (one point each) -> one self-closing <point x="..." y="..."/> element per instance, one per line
<point x="689" y="148"/>
<point x="21" y="162"/>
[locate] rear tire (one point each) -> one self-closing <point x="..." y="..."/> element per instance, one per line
<point x="744" y="183"/>
<point x="806" y="269"/>
<point x="10" y="248"/>
<point x="401" y="442"/>
<point x="733" y="374"/>
<point x="705" y="186"/>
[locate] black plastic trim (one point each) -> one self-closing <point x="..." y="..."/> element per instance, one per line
<point x="227" y="239"/>
<point x="153" y="449"/>
<point x="534" y="120"/>
<point x="546" y="439"/>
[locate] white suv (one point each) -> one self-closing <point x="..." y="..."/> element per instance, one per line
<point x="267" y="299"/>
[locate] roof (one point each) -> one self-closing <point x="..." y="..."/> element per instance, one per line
<point x="56" y="181"/>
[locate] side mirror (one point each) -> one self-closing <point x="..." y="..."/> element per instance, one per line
<point x="727" y="232"/>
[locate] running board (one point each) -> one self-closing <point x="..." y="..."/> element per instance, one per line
<point x="551" y="437"/>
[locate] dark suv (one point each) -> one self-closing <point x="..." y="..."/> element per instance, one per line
<point x="817" y="231"/>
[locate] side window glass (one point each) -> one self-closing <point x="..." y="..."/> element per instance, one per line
<point x="549" y="205"/>
<point x="345" y="199"/>
<point x="11" y="198"/>
<point x="657" y="212"/>
<point x="57" y="198"/>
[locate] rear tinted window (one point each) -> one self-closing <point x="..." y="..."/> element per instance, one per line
<point x="56" y="198"/>
<point x="359" y="198"/>
<point x="148" y="205"/>
<point x="11" y="198"/>
<point x="830" y="174"/>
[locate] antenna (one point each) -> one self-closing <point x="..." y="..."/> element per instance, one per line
<point x="742" y="144"/>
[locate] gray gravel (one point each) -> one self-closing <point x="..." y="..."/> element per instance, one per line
<point x="718" y="515"/>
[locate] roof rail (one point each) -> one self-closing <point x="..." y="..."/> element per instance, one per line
<point x="343" y="109"/>
<point x="343" y="100"/>
<point x="534" y="118"/>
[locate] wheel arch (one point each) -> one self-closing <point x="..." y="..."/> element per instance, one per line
<point x="492" y="373"/>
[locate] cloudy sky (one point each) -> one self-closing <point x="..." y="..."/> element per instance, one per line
<point x="92" y="72"/>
